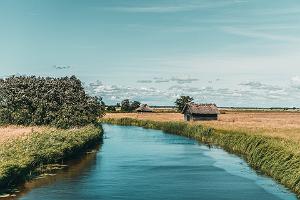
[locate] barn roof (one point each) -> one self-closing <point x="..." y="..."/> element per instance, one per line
<point x="144" y="108"/>
<point x="193" y="108"/>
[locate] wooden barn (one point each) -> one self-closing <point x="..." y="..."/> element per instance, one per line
<point x="144" y="108"/>
<point x="195" y="112"/>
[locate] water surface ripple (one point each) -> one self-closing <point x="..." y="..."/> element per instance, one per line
<point x="135" y="164"/>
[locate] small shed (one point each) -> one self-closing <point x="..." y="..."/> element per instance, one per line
<point x="195" y="112"/>
<point x="144" y="108"/>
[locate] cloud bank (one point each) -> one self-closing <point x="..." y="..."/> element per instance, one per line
<point x="251" y="93"/>
<point x="173" y="79"/>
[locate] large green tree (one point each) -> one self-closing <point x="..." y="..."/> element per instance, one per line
<point x="180" y="102"/>
<point x="129" y="106"/>
<point x="60" y="102"/>
<point x="125" y="105"/>
<point x="135" y="104"/>
<point x="111" y="108"/>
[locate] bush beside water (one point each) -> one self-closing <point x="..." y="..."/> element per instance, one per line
<point x="20" y="157"/>
<point x="59" y="102"/>
<point x="275" y="157"/>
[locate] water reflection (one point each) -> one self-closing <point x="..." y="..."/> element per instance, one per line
<point x="137" y="164"/>
<point x="75" y="169"/>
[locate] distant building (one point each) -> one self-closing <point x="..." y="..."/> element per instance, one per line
<point x="144" y="108"/>
<point x="195" y="112"/>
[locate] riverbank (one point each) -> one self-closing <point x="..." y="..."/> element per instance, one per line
<point x="276" y="157"/>
<point x="135" y="163"/>
<point x="22" y="158"/>
<point x="284" y="125"/>
<point x="10" y="132"/>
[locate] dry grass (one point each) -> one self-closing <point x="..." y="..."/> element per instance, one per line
<point x="276" y="124"/>
<point x="19" y="158"/>
<point x="12" y="132"/>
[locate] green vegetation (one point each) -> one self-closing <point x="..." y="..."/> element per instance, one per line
<point x="111" y="109"/>
<point x="19" y="158"/>
<point x="57" y="102"/>
<point x="180" y="102"/>
<point x="275" y="157"/>
<point x="127" y="106"/>
<point x="60" y="102"/>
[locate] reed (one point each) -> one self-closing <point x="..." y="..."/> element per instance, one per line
<point x="275" y="157"/>
<point x="19" y="158"/>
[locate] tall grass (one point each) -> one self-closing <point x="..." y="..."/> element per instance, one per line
<point x="20" y="157"/>
<point x="275" y="157"/>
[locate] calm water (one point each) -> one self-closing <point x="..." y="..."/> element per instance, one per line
<point x="135" y="163"/>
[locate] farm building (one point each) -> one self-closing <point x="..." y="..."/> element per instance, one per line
<point x="144" y="108"/>
<point x="194" y="112"/>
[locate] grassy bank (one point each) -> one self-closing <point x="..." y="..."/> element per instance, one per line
<point x="19" y="158"/>
<point x="275" y="157"/>
<point x="280" y="124"/>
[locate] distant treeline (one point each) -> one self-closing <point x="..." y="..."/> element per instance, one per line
<point x="130" y="106"/>
<point x="125" y="106"/>
<point x="60" y="102"/>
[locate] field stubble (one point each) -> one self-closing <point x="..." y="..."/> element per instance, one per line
<point x="284" y="125"/>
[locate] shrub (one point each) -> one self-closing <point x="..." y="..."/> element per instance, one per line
<point x="60" y="102"/>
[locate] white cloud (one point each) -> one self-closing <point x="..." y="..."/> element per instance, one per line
<point x="282" y="11"/>
<point x="144" y="81"/>
<point x="241" y="1"/>
<point x="59" y="67"/>
<point x="114" y="93"/>
<point x="162" y="81"/>
<point x="260" y="86"/>
<point x="178" y="80"/>
<point x="247" y="94"/>
<point x="156" y="9"/>
<point x="260" y="35"/>
<point x="184" y="80"/>
<point x="225" y="63"/>
<point x="296" y="82"/>
<point x="175" y="7"/>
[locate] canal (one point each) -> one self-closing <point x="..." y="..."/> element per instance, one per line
<point x="135" y="164"/>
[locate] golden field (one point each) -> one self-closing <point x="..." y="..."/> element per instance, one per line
<point x="12" y="131"/>
<point x="275" y="124"/>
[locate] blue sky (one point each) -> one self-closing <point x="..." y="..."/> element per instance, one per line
<point x="231" y="52"/>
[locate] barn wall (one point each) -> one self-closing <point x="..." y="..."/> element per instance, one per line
<point x="199" y="117"/>
<point x="187" y="117"/>
<point x="205" y="117"/>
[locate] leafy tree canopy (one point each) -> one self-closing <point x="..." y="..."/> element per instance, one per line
<point x="61" y="102"/>
<point x="111" y="108"/>
<point x="135" y="104"/>
<point x="128" y="106"/>
<point x="180" y="102"/>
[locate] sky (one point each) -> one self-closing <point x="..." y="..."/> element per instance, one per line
<point x="229" y="52"/>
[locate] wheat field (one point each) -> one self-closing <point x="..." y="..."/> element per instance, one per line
<point x="275" y="124"/>
<point x="12" y="131"/>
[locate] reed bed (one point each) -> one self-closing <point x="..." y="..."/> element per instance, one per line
<point x="278" y="158"/>
<point x="19" y="158"/>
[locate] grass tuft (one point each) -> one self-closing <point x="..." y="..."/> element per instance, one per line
<point x="19" y="158"/>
